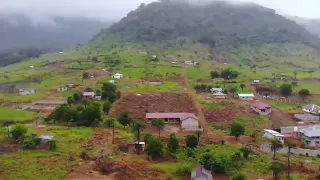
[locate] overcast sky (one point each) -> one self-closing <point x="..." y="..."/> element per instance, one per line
<point x="115" y="9"/>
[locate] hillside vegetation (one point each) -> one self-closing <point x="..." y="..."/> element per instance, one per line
<point x="219" y="24"/>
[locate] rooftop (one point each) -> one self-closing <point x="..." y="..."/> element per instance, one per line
<point x="274" y="133"/>
<point x="180" y="116"/>
<point x="312" y="107"/>
<point x="88" y="93"/>
<point x="201" y="172"/>
<point x="311" y="131"/>
<point x="219" y="94"/>
<point x="260" y="105"/>
<point x="246" y="95"/>
<point x="118" y="74"/>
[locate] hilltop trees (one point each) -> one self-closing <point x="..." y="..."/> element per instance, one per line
<point x="214" y="74"/>
<point x="226" y="74"/>
<point x="106" y="107"/>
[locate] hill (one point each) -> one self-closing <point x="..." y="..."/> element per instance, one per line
<point x="57" y="33"/>
<point x="218" y="24"/>
<point x="312" y="25"/>
<point x="23" y="38"/>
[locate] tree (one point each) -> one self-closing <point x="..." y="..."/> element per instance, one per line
<point x="242" y="86"/>
<point x="295" y="75"/>
<point x="245" y="152"/>
<point x="173" y="143"/>
<point x="76" y="96"/>
<point x="8" y="123"/>
<point x="125" y="119"/>
<point x="214" y="74"/>
<point x="290" y="146"/>
<point x="198" y="132"/>
<point x="85" y="75"/>
<point x="70" y="100"/>
<point x="286" y="89"/>
<point x="233" y="90"/>
<point x="275" y="146"/>
<point x="111" y="123"/>
<point x="192" y="141"/>
<point x="147" y="137"/>
<point x="276" y="168"/>
<point x="304" y="93"/>
<point x="237" y="129"/>
<point x="106" y="107"/>
<point x="159" y="124"/>
<point x="239" y="177"/>
<point x="154" y="147"/>
<point x="18" y="132"/>
<point x="138" y="127"/>
<point x="311" y="72"/>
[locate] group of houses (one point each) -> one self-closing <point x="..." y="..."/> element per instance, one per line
<point x="90" y="95"/>
<point x="26" y="91"/>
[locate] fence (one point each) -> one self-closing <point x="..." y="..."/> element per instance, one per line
<point x="298" y="151"/>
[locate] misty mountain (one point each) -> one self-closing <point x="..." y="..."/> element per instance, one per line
<point x="312" y="25"/>
<point x="218" y="24"/>
<point x="57" y="33"/>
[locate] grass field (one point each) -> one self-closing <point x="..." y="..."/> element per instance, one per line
<point x="41" y="165"/>
<point x="16" y="115"/>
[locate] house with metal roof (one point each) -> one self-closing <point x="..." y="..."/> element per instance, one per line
<point x="201" y="173"/>
<point x="271" y="134"/>
<point x="215" y="90"/>
<point x="219" y="95"/>
<point x="188" y="121"/>
<point x="311" y="108"/>
<point x="311" y="135"/>
<point x="261" y="108"/>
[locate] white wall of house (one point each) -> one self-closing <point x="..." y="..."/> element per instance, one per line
<point x="261" y="112"/>
<point x="246" y="98"/>
<point x="190" y="124"/>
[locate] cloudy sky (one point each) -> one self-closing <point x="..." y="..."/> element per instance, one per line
<point x="115" y="9"/>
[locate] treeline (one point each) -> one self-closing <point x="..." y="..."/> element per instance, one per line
<point x="17" y="55"/>
<point x="225" y="74"/>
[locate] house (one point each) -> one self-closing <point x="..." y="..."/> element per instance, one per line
<point x="201" y="173"/>
<point x="62" y="89"/>
<point x="31" y="67"/>
<point x="219" y="95"/>
<point x="261" y="108"/>
<point x="60" y="52"/>
<point x="98" y="98"/>
<point x="71" y="85"/>
<point x="112" y="81"/>
<point x="246" y="97"/>
<point x="174" y="62"/>
<point x="136" y="147"/>
<point x="143" y="53"/>
<point x="311" y="108"/>
<point x="104" y="70"/>
<point x="88" y="95"/>
<point x="215" y="90"/>
<point x="310" y="135"/>
<point x="188" y="121"/>
<point x="118" y="76"/>
<point x="271" y="134"/>
<point x="190" y="63"/>
<point x="256" y="81"/>
<point x="24" y="92"/>
<point x="44" y="139"/>
<point x="155" y="83"/>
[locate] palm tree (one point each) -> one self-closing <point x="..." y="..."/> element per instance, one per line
<point x="233" y="90"/>
<point x="138" y="127"/>
<point x="276" y="168"/>
<point x="159" y="124"/>
<point x="275" y="146"/>
<point x="112" y="123"/>
<point x="242" y="86"/>
<point x="290" y="146"/>
<point x="295" y="75"/>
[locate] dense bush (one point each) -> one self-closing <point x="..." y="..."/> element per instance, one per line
<point x="18" y="132"/>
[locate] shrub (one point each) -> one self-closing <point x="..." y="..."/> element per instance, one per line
<point x="52" y="144"/>
<point x="18" y="132"/>
<point x="192" y="141"/>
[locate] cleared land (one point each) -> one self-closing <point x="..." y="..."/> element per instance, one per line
<point x="17" y="116"/>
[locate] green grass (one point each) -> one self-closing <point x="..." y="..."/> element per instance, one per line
<point x="42" y="165"/>
<point x="286" y="106"/>
<point x="175" y="168"/>
<point x="207" y="105"/>
<point x="17" y="116"/>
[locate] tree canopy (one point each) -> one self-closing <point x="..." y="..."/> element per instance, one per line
<point x="237" y="129"/>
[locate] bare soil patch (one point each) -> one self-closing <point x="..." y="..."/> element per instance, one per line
<point x="220" y="115"/>
<point x="9" y="148"/>
<point x="138" y="104"/>
<point x="99" y="138"/>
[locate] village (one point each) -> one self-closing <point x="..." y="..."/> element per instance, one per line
<point x="165" y="119"/>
